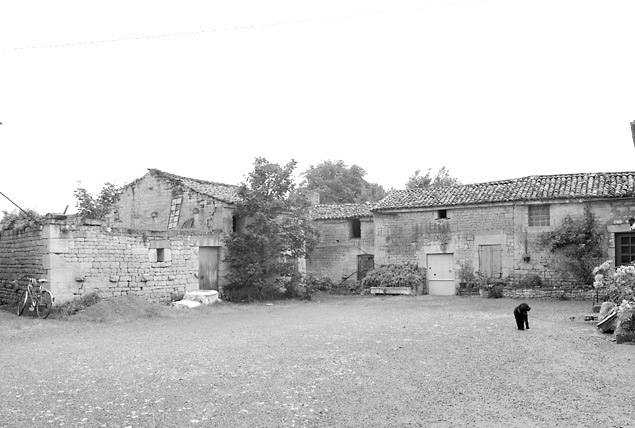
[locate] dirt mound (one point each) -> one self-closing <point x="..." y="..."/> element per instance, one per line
<point x="123" y="308"/>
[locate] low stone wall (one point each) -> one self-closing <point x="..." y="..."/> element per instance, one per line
<point x="569" y="293"/>
<point x="549" y="293"/>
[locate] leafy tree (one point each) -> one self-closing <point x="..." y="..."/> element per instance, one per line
<point x="442" y="178"/>
<point x="338" y="183"/>
<point x="99" y="207"/>
<point x="278" y="231"/>
<point x="577" y="243"/>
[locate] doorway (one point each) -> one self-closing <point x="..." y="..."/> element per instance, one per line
<point x="208" y="268"/>
<point x="440" y="276"/>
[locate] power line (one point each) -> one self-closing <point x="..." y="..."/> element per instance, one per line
<point x="9" y="199"/>
<point x="237" y="28"/>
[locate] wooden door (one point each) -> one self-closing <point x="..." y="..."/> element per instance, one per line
<point x="490" y="259"/>
<point x="208" y="268"/>
<point x="365" y="263"/>
<point x="441" y="281"/>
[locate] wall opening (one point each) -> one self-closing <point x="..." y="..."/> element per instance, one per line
<point x="356" y="228"/>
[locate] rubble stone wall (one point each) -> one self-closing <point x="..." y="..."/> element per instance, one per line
<point x="21" y="255"/>
<point x="80" y="259"/>
<point x="336" y="254"/>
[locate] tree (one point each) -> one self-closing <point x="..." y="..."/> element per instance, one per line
<point x="99" y="207"/>
<point x="442" y="178"/>
<point x="337" y="183"/>
<point x="278" y="232"/>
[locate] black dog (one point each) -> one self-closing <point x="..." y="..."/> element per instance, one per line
<point x="520" y="313"/>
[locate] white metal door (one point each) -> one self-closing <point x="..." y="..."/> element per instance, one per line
<point x="440" y="276"/>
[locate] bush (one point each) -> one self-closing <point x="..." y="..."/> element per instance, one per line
<point x="496" y="291"/>
<point x="326" y="284"/>
<point x="406" y="275"/>
<point x="531" y="281"/>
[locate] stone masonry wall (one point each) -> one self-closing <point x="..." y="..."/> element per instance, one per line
<point x="21" y="255"/>
<point x="115" y="262"/>
<point x="410" y="235"/>
<point x="336" y="254"/>
<point x="145" y="204"/>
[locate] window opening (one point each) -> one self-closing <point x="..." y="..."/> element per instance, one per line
<point x="160" y="255"/>
<point x="539" y="215"/>
<point x="175" y="212"/>
<point x="624" y="249"/>
<point x="356" y="228"/>
<point x="442" y="213"/>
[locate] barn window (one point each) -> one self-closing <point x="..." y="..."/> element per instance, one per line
<point x="175" y="212"/>
<point x="539" y="215"/>
<point x="442" y="214"/>
<point x="356" y="228"/>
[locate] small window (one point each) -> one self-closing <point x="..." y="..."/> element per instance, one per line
<point x="160" y="255"/>
<point x="539" y="215"/>
<point x="442" y="213"/>
<point x="356" y="228"/>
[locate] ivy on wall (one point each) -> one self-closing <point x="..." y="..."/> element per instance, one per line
<point x="577" y="244"/>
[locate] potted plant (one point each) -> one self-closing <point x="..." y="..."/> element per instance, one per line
<point x="484" y="284"/>
<point x="466" y="274"/>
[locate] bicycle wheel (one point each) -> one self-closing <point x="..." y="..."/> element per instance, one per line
<point x="23" y="301"/>
<point x="44" y="304"/>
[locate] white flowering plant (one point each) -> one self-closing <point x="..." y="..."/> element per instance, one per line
<point x="619" y="284"/>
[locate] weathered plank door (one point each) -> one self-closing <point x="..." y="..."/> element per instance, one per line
<point x="440" y="276"/>
<point x="490" y="259"/>
<point x="365" y="262"/>
<point x="208" y="268"/>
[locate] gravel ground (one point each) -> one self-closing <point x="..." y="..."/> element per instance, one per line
<point x="360" y="361"/>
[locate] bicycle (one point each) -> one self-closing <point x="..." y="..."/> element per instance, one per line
<point x="38" y="298"/>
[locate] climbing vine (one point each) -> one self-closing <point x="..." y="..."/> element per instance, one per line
<point x="577" y="243"/>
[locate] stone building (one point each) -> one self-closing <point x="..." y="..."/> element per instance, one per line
<point x="346" y="244"/>
<point x="160" y="201"/>
<point x="495" y="225"/>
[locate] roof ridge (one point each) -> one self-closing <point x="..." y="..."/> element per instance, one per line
<point x="181" y="177"/>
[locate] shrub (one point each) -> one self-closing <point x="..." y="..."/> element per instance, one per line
<point x="326" y="284"/>
<point x="496" y="291"/>
<point x="314" y="283"/>
<point x="531" y="281"/>
<point x="406" y="275"/>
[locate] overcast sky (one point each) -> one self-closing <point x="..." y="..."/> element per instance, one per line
<point x="98" y="91"/>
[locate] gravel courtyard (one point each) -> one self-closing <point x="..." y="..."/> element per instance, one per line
<point x="350" y="361"/>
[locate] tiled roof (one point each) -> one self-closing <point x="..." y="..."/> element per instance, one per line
<point x="340" y="211"/>
<point x="220" y="191"/>
<point x="532" y="188"/>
